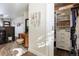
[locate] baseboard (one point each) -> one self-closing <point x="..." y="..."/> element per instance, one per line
<point x="36" y="52"/>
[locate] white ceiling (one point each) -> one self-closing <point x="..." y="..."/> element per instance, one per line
<point x="13" y="10"/>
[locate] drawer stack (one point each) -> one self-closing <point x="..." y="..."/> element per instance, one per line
<point x="63" y="39"/>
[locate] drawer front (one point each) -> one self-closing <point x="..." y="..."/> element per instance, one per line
<point x="63" y="45"/>
<point x="63" y="39"/>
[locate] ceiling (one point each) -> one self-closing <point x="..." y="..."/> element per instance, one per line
<point x="58" y="5"/>
<point x="12" y="10"/>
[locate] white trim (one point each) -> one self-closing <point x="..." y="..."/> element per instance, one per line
<point x="36" y="52"/>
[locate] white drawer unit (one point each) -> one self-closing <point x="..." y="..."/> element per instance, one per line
<point x="63" y="29"/>
<point x="63" y="39"/>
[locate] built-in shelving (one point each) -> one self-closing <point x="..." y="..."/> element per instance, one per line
<point x="63" y="29"/>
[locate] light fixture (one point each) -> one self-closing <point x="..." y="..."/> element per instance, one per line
<point x="66" y="7"/>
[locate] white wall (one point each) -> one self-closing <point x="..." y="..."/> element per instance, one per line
<point x="38" y="42"/>
<point x="1" y="22"/>
<point x="37" y="34"/>
<point x="19" y="29"/>
<point x="20" y="19"/>
<point x="50" y="28"/>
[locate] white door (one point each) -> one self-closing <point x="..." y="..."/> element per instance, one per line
<point x="37" y="29"/>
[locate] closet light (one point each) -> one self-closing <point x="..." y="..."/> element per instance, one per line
<point x="66" y="7"/>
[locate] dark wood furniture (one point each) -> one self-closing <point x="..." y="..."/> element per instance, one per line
<point x="10" y="32"/>
<point x="6" y="32"/>
<point x="25" y="37"/>
<point x="6" y="23"/>
<point x="2" y="35"/>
